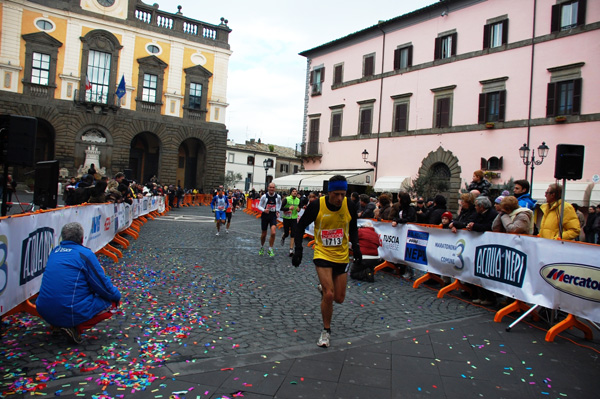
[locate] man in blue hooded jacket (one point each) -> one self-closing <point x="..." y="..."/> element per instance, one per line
<point x="75" y="293"/>
<point x="521" y="191"/>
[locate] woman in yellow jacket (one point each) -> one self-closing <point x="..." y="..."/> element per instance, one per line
<point x="549" y="227"/>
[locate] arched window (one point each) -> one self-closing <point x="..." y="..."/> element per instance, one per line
<point x="99" y="66"/>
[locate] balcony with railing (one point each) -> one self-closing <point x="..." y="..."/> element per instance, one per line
<point x="96" y="101"/>
<point x="309" y="150"/>
<point x="37" y="90"/>
<point x="177" y="25"/>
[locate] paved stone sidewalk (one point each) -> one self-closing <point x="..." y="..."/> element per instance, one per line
<point x="207" y="313"/>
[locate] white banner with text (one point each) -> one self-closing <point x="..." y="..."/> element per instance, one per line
<point x="26" y="241"/>
<point x="555" y="274"/>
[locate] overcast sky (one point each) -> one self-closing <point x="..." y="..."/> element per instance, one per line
<point x="265" y="89"/>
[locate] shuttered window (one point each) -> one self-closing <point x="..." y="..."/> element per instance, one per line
<point x="365" y="120"/>
<point x="336" y="124"/>
<point x="368" y="65"/>
<point x="338" y="74"/>
<point x="442" y="116"/>
<point x="491" y="106"/>
<point x="564" y="98"/>
<point x="495" y="34"/>
<point x="403" y="57"/>
<point x="568" y="15"/>
<point x="400" y="117"/>
<point x="445" y="46"/>
<point x="317" y="76"/>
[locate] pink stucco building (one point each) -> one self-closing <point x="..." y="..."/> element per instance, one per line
<point x="458" y="86"/>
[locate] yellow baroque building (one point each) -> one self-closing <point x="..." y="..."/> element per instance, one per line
<point x="143" y="90"/>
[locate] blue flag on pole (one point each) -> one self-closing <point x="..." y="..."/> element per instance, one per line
<point x="121" y="89"/>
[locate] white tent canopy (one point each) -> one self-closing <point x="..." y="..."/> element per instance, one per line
<point x="391" y="183"/>
<point x="312" y="180"/>
<point x="580" y="193"/>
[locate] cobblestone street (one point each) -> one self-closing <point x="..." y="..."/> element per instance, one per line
<point x="196" y="302"/>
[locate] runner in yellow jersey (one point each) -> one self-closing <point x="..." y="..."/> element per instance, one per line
<point x="335" y="226"/>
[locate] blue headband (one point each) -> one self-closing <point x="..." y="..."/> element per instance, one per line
<point x="338" y="185"/>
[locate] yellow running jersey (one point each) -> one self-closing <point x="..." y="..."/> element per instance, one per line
<point x="332" y="232"/>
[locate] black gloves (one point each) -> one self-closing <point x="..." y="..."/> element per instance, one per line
<point x="297" y="258"/>
<point x="357" y="254"/>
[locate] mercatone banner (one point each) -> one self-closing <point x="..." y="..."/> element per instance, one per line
<point x="27" y="240"/>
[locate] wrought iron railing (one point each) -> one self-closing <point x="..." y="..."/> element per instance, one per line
<point x="309" y="149"/>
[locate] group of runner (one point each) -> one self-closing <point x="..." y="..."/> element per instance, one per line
<point x="335" y="229"/>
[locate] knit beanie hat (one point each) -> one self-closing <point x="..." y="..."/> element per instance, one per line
<point x="447" y="215"/>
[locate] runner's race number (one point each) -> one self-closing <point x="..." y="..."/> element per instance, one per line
<point x="332" y="238"/>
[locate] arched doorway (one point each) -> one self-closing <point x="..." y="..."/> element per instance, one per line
<point x="191" y="163"/>
<point x="441" y="171"/>
<point x="144" y="157"/>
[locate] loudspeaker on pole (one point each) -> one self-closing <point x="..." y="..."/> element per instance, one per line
<point x="45" y="192"/>
<point x="18" y="136"/>
<point x="569" y="162"/>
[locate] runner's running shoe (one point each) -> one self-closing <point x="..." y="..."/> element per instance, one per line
<point x="261" y="251"/>
<point x="323" y="341"/>
<point x="271" y="253"/>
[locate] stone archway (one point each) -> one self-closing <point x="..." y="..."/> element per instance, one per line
<point x="191" y="163"/>
<point x="442" y="166"/>
<point x="144" y="157"/>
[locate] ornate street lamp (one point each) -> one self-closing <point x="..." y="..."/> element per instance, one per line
<point x="267" y="163"/>
<point x="524" y="153"/>
<point x="365" y="157"/>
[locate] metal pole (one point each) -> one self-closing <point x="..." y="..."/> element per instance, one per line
<point x="4" y="208"/>
<point x="531" y="181"/>
<point x="266" y="177"/>
<point x="562" y="209"/>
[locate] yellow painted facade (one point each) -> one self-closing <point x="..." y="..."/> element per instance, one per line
<point x="136" y="135"/>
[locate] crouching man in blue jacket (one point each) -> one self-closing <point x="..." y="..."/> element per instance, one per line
<point x="75" y="294"/>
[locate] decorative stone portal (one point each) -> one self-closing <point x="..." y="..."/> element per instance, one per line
<point x="442" y="166"/>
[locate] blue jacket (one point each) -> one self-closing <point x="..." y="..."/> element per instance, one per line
<point x="525" y="201"/>
<point x="74" y="287"/>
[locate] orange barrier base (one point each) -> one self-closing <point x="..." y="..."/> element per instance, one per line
<point x="516" y="306"/>
<point x="566" y="324"/>
<point x="383" y="266"/>
<point x="455" y="285"/>
<point x="106" y="252"/>
<point x="310" y="244"/>
<point x="131" y="233"/>
<point x="121" y="241"/>
<point x="114" y="250"/>
<point x="27" y="307"/>
<point x="428" y="276"/>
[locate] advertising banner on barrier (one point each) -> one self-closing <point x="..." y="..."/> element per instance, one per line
<point x="26" y="241"/>
<point x="561" y="275"/>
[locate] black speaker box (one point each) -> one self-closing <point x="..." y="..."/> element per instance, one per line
<point x="569" y="162"/>
<point x="45" y="192"/>
<point x="19" y="133"/>
<point x="128" y="174"/>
